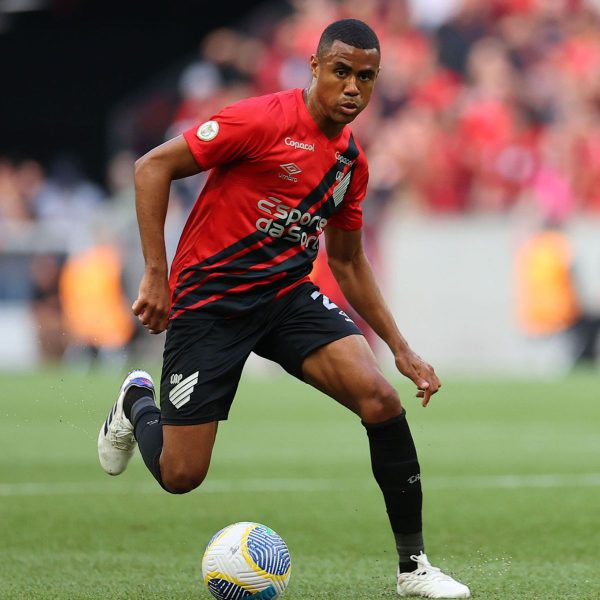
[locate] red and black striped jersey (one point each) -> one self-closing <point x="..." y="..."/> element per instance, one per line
<point x="276" y="182"/>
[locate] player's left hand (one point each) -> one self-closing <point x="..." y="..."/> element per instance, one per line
<point x="420" y="372"/>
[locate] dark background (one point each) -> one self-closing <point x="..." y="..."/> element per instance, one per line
<point x="66" y="66"/>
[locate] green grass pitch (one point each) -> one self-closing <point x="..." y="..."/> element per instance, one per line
<point x="511" y="475"/>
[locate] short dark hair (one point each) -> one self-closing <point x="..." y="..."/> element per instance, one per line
<point x="350" y="31"/>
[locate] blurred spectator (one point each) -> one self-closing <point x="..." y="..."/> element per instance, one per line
<point x="67" y="198"/>
<point x="431" y="14"/>
<point x="547" y="296"/>
<point x="456" y="37"/>
<point x="46" y="306"/>
<point x="20" y="185"/>
<point x="97" y="318"/>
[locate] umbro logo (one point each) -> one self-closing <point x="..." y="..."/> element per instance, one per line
<point x="291" y="168"/>
<point x="182" y="392"/>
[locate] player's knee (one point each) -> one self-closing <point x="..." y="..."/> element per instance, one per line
<point x="181" y="480"/>
<point x="380" y="404"/>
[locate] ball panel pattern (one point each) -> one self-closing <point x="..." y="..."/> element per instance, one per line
<point x="226" y="590"/>
<point x="268" y="551"/>
<point x="214" y="537"/>
<point x="246" y="561"/>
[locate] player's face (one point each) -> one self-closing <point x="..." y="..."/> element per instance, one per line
<point x="343" y="80"/>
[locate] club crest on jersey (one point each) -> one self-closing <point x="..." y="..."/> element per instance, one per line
<point x="208" y="131"/>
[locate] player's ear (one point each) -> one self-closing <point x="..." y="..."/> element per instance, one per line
<point x="314" y="65"/>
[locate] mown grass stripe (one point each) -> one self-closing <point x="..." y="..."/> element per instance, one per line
<point x="303" y="485"/>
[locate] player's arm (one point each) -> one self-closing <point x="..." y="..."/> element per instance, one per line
<point x="154" y="173"/>
<point x="354" y="274"/>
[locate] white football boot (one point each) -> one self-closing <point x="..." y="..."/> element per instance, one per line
<point x="116" y="443"/>
<point x="429" y="582"/>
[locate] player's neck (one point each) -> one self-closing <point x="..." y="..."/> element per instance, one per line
<point x="329" y="128"/>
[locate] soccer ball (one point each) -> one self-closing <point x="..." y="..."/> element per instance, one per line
<point x="246" y="560"/>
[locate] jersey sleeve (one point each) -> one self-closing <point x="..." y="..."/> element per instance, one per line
<point x="349" y="217"/>
<point x="236" y="132"/>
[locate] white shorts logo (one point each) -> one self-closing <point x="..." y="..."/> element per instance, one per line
<point x="182" y="392"/>
<point x="208" y="131"/>
<point x="329" y="305"/>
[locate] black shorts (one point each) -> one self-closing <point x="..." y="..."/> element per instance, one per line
<point x="204" y="355"/>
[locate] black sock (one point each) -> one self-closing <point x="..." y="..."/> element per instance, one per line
<point x="145" y="417"/>
<point x="134" y="393"/>
<point x="408" y="544"/>
<point x="396" y="470"/>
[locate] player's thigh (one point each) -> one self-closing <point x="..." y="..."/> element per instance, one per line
<point x="202" y="364"/>
<point x="299" y="323"/>
<point x="186" y="453"/>
<point x="311" y="338"/>
<point x="347" y="370"/>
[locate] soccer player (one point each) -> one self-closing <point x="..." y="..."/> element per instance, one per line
<point x="284" y="168"/>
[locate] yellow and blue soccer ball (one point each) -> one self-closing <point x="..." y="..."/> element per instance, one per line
<point x="246" y="561"/>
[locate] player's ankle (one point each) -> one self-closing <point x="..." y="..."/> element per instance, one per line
<point x="132" y="396"/>
<point x="406" y="567"/>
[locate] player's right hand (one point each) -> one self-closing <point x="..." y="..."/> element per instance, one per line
<point x="153" y="302"/>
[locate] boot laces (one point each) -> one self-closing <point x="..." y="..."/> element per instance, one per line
<point x="121" y="437"/>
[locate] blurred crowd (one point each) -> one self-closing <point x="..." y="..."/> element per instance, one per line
<point x="480" y="107"/>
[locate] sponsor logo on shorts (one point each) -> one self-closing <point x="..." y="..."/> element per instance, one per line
<point x="182" y="392"/>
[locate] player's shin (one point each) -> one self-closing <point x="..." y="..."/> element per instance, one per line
<point x="145" y="417"/>
<point x="396" y="470"/>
